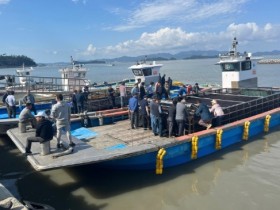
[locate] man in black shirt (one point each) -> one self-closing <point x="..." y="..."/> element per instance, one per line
<point x="145" y="112"/>
<point x="44" y="132"/>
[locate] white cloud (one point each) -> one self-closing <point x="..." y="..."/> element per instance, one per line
<point x="251" y="31"/>
<point x="179" y="11"/>
<point x="90" y="50"/>
<point x="77" y="1"/>
<point x="175" y="40"/>
<point x="4" y="1"/>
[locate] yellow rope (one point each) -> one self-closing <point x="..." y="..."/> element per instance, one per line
<point x="159" y="161"/>
<point x="266" y="123"/>
<point x="219" y="138"/>
<point x="194" y="147"/>
<point x="246" y="130"/>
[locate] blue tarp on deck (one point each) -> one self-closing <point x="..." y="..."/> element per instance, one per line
<point x="83" y="133"/>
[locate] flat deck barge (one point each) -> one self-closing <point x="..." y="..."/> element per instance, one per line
<point x="117" y="142"/>
<point x="107" y="143"/>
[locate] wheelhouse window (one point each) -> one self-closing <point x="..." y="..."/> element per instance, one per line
<point x="246" y="65"/>
<point x="137" y="72"/>
<point x="230" y="66"/>
<point x="147" y="72"/>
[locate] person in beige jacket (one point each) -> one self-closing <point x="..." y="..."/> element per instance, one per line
<point x="61" y="112"/>
<point x="218" y="112"/>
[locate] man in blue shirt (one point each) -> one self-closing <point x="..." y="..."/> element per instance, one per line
<point x="182" y="90"/>
<point x="205" y="115"/>
<point x="133" y="109"/>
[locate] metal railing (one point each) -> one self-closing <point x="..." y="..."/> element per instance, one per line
<point x="39" y="84"/>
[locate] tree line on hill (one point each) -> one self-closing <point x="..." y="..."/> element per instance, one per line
<point x="7" y="61"/>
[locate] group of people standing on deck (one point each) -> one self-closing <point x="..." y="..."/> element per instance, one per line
<point x="208" y="117"/>
<point x="151" y="114"/>
<point x="189" y="90"/>
<point x="47" y="123"/>
<point x="178" y="114"/>
<point x="79" y="100"/>
<point x="161" y="88"/>
<point x="10" y="102"/>
<point x="175" y="117"/>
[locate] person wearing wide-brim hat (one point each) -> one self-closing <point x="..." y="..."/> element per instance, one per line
<point x="218" y="112"/>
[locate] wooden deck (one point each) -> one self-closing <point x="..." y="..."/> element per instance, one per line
<point x="112" y="142"/>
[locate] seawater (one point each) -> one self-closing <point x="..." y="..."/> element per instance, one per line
<point x="244" y="176"/>
<point x="202" y="71"/>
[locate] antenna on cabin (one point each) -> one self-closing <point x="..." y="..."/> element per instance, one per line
<point x="233" y="50"/>
<point x="72" y="60"/>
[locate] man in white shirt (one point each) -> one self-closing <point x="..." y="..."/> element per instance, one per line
<point x="11" y="103"/>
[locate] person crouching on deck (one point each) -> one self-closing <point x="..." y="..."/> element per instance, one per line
<point x="205" y="115"/>
<point x="44" y="132"/>
<point x="218" y="112"/>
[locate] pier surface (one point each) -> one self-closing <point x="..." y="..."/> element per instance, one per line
<point x="93" y="145"/>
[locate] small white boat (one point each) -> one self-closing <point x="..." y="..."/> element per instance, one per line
<point x="147" y="72"/>
<point x="74" y="77"/>
<point x="24" y="75"/>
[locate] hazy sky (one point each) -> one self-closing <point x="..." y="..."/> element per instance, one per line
<point x="53" y="30"/>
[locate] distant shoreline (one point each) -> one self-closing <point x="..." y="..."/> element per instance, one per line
<point x="270" y="61"/>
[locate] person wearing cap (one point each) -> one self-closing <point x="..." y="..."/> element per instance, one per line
<point x="145" y="112"/>
<point x="26" y="116"/>
<point x="205" y="115"/>
<point x="133" y="109"/>
<point x="44" y="132"/>
<point x="61" y="112"/>
<point x="218" y="112"/>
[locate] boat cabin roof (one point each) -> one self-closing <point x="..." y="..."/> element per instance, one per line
<point x="145" y="65"/>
